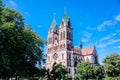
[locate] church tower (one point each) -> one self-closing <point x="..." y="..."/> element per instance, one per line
<point x="52" y="44"/>
<point x="66" y="44"/>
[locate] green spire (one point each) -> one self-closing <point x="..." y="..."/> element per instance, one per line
<point x="54" y="24"/>
<point x="65" y="17"/>
<point x="81" y="46"/>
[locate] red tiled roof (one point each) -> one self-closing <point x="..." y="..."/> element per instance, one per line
<point x="77" y="50"/>
<point x="88" y="50"/>
<point x="84" y="51"/>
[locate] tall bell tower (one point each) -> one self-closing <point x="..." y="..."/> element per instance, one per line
<point x="60" y="44"/>
<point x="52" y="44"/>
<point x="66" y="44"/>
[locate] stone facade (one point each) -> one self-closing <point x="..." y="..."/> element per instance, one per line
<point x="60" y="49"/>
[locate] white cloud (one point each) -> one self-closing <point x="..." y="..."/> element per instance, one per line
<point x="101" y="45"/>
<point x="90" y="28"/>
<point x="101" y="27"/>
<point x="105" y="38"/>
<point x="12" y="3"/>
<point x="114" y="41"/>
<point x="117" y="18"/>
<point x="107" y="23"/>
<point x="84" y="40"/>
<point x="118" y="47"/>
<point x="109" y="42"/>
<point x="108" y="37"/>
<point x="86" y="34"/>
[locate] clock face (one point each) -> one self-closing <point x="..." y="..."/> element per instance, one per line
<point x="55" y="56"/>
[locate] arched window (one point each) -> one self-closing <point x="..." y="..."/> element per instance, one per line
<point x="61" y="36"/>
<point x="62" y="56"/>
<point x="87" y="59"/>
<point x="92" y="59"/>
<point x="64" y="45"/>
<point x="64" y="35"/>
<point x="50" y="40"/>
<point x="67" y="35"/>
<point x="62" y="23"/>
<point x="56" y="30"/>
<point x="69" y="70"/>
<point x="61" y="46"/>
<point x="55" y="38"/>
<point x="69" y="55"/>
<point x="75" y="64"/>
<point x="48" y="49"/>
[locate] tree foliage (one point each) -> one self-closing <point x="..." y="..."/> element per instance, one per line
<point x="112" y="66"/>
<point x="85" y="71"/>
<point x="59" y="72"/>
<point x="98" y="72"/>
<point x="20" y="46"/>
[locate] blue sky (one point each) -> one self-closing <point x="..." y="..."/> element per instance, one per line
<point x="96" y="22"/>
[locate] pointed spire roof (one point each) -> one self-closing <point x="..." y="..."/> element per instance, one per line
<point x="54" y="24"/>
<point x="65" y="17"/>
<point x="81" y="46"/>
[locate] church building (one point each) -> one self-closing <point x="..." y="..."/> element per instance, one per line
<point x="60" y="48"/>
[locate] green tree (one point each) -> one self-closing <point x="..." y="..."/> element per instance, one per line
<point x="112" y="66"/>
<point x="98" y="72"/>
<point x="59" y="72"/>
<point x="43" y="72"/>
<point x="20" y="46"/>
<point x="84" y="70"/>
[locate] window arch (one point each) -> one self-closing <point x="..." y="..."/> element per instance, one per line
<point x="63" y="34"/>
<point x="62" y="56"/>
<point x="87" y="59"/>
<point x="69" y="70"/>
<point x="64" y="45"/>
<point x="62" y="23"/>
<point x="92" y="59"/>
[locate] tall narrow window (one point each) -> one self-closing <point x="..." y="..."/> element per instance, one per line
<point x="61" y="36"/>
<point x="62" y="56"/>
<point x="87" y="59"/>
<point x="69" y="70"/>
<point x="75" y="71"/>
<point x="69" y="56"/>
<point x="62" y="23"/>
<point x="64" y="35"/>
